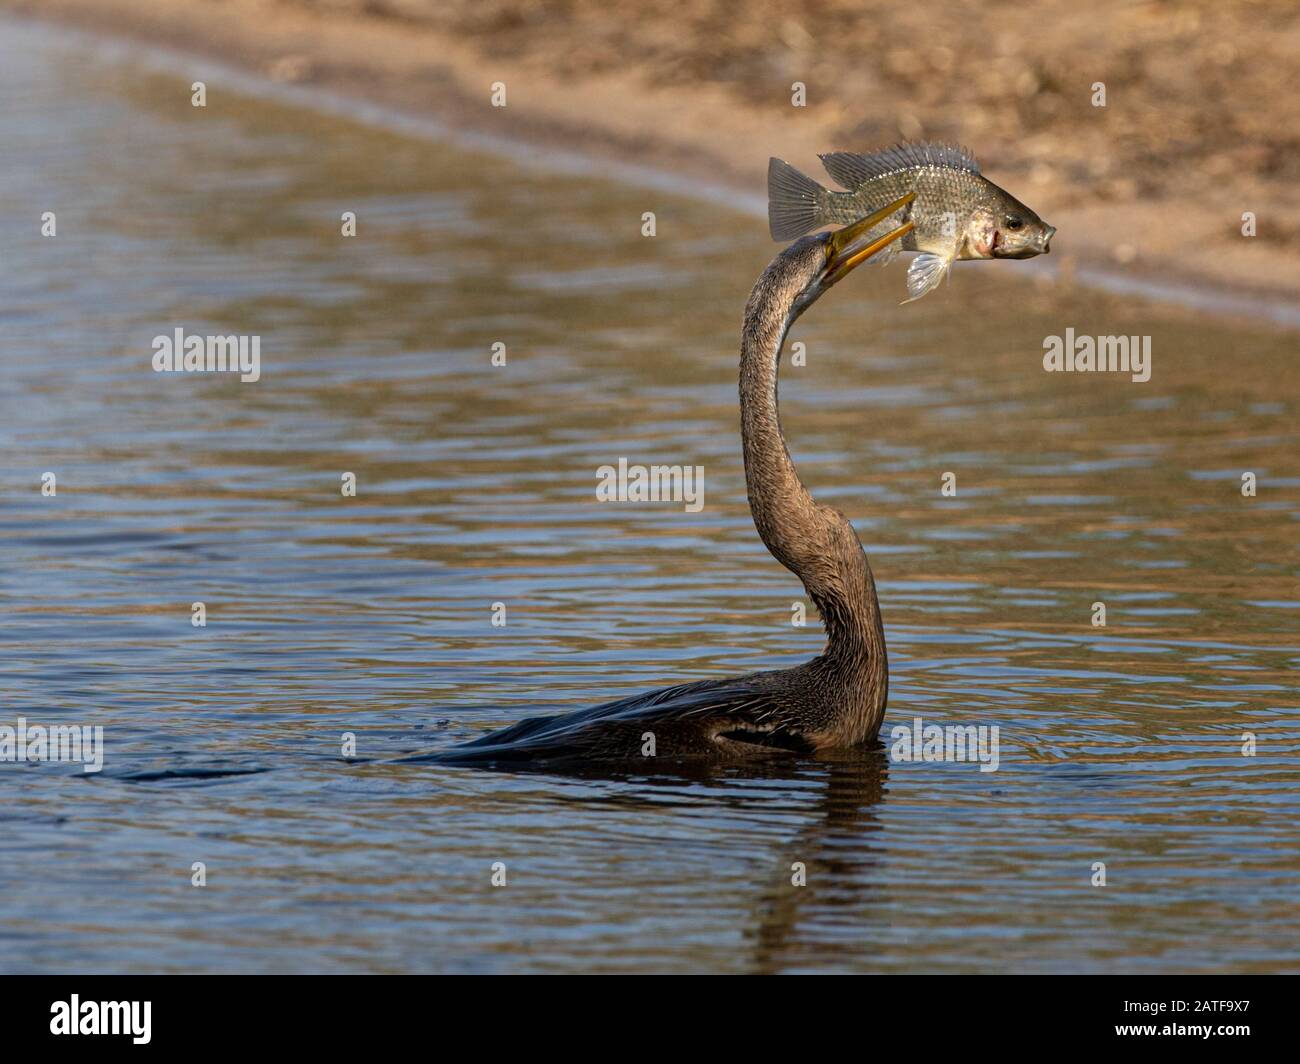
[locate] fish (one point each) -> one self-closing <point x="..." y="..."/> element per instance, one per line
<point x="957" y="213"/>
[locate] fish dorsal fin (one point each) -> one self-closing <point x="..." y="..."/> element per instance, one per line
<point x="852" y="169"/>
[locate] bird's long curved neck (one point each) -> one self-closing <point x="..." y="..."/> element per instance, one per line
<point x="816" y="543"/>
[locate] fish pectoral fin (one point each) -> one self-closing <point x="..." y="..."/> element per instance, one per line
<point x="924" y="274"/>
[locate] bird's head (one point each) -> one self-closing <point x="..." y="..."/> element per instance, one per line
<point x="825" y="259"/>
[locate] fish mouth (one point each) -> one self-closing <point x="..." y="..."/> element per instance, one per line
<point x="1042" y="245"/>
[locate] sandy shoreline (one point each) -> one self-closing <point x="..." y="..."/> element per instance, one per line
<point x="1159" y="225"/>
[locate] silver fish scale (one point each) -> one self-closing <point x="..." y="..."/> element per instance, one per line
<point x="945" y="199"/>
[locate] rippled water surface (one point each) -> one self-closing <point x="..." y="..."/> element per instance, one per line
<point x="476" y="485"/>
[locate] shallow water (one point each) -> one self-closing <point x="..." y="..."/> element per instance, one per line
<point x="476" y="485"/>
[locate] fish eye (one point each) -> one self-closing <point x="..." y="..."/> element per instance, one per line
<point x="1014" y="222"/>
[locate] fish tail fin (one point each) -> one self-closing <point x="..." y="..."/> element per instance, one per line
<point x="794" y="201"/>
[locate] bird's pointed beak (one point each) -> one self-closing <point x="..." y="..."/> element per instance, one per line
<point x="851" y="246"/>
